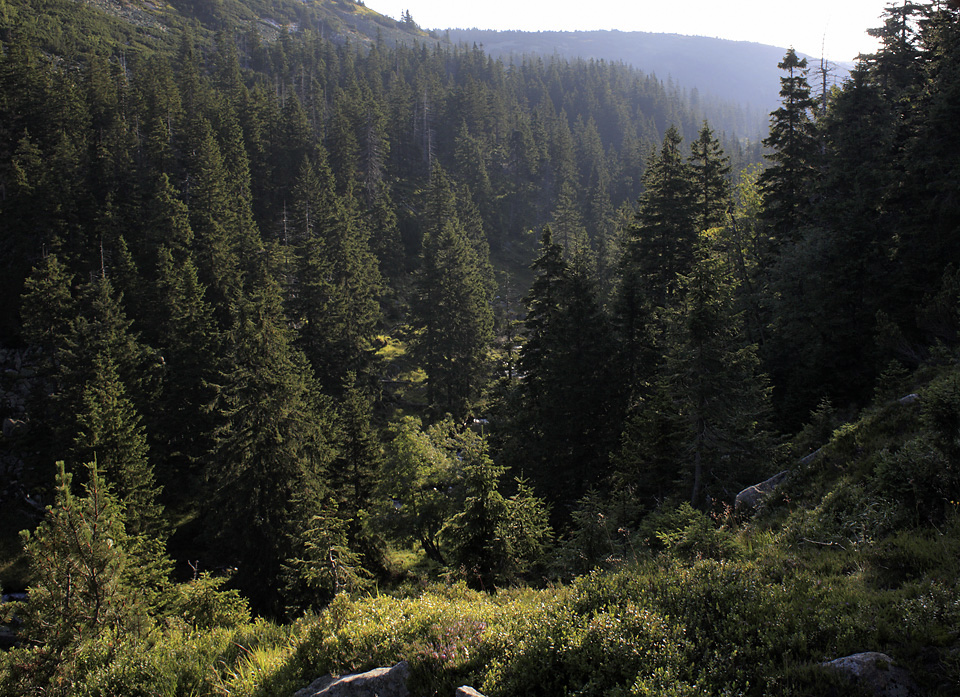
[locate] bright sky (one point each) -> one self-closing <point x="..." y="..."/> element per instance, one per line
<point x="837" y="25"/>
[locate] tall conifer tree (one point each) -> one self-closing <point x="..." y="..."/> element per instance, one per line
<point x="658" y="247"/>
<point x="568" y="409"/>
<point x="661" y="241"/>
<point x="336" y="284"/>
<point x="266" y="470"/>
<point x="452" y="308"/>
<point x="711" y="171"/>
<point x="712" y="376"/>
<point x="111" y="434"/>
<point x="191" y="344"/>
<point x="79" y="560"/>
<point x="788" y="182"/>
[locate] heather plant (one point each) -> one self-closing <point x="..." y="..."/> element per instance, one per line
<point x="668" y="625"/>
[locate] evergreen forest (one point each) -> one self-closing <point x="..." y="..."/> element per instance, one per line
<point x="329" y="343"/>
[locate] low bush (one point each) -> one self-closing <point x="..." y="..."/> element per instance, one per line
<point x="921" y="476"/>
<point x="203" y="605"/>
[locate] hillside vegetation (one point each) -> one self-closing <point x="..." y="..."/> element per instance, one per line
<point x="857" y="552"/>
<point x="323" y="351"/>
<point x="709" y="69"/>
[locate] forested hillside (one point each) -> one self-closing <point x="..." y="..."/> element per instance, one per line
<point x="303" y="309"/>
<point x="709" y="69"/>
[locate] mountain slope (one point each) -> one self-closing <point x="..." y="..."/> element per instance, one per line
<point x="737" y="71"/>
<point x="105" y="27"/>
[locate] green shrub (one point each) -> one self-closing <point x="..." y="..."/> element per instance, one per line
<point x="941" y="413"/>
<point x="663" y="682"/>
<point x="445" y="634"/>
<point x="606" y="651"/>
<point x="815" y="680"/>
<point x="132" y="669"/>
<point x="262" y="666"/>
<point x="817" y="431"/>
<point x="921" y="477"/>
<point x="687" y="533"/>
<point x="933" y="611"/>
<point x="849" y="515"/>
<point x="203" y="605"/>
<point x="191" y="656"/>
<point x="911" y="555"/>
<point x="602" y="534"/>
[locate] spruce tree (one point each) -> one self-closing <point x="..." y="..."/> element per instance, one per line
<point x="110" y="432"/>
<point x="211" y="218"/>
<point x="354" y="472"/>
<point x="84" y="583"/>
<point x="97" y="329"/>
<point x="452" y="308"/>
<point x="48" y="306"/>
<point x="658" y="247"/>
<point x="569" y="401"/>
<point x="494" y="538"/>
<point x="468" y="213"/>
<point x="788" y="182"/>
<point x="661" y="241"/>
<point x="720" y="397"/>
<point x="897" y="65"/>
<point x="711" y="171"/>
<point x="567" y="225"/>
<point x="270" y="449"/>
<point x="191" y="346"/>
<point x="651" y="447"/>
<point x="931" y="156"/>
<point x="323" y="562"/>
<point x="103" y="328"/>
<point x="335" y="290"/>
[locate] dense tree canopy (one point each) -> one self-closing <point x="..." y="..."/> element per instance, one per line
<point x="286" y="290"/>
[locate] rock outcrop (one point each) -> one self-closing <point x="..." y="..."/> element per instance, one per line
<point x="466" y="691"/>
<point x="749" y="498"/>
<point x="876" y="673"/>
<point x="379" y="682"/>
<point x="18" y="381"/>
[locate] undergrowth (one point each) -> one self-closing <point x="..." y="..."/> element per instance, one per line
<point x="758" y="623"/>
<point x="859" y="551"/>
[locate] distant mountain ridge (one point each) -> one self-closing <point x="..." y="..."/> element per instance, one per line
<point x="718" y="73"/>
<point x="105" y="27"/>
<point x="737" y="71"/>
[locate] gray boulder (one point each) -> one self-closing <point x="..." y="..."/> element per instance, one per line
<point x="909" y="399"/>
<point x="876" y="673"/>
<point x="379" y="682"/>
<point x="749" y="498"/>
<point x="467" y="692"/>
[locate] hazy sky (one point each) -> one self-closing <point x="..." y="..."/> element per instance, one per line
<point x="838" y="25"/>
